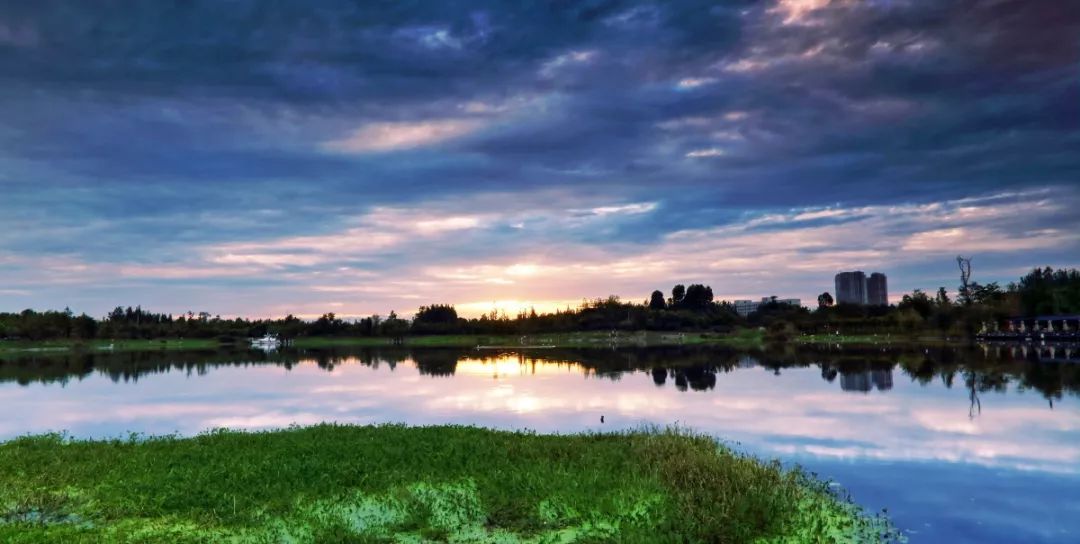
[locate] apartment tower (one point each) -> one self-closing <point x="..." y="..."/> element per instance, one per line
<point x="856" y="288"/>
<point x="851" y="288"/>
<point x="877" y="290"/>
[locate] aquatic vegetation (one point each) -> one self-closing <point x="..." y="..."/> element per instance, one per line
<point x="393" y="483"/>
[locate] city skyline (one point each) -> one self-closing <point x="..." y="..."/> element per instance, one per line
<point x="259" y="160"/>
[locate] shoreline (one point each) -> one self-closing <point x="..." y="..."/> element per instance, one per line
<point x="741" y="339"/>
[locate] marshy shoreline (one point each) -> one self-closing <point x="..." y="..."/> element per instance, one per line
<point x="739" y="339"/>
<point x="344" y="483"/>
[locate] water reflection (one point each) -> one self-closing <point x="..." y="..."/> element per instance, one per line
<point x="867" y="417"/>
<point x="867" y="380"/>
<point x="803" y="404"/>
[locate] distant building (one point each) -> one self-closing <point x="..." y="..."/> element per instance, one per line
<point x="877" y="290"/>
<point x="851" y="288"/>
<point x="856" y="288"/>
<point x="747" y="307"/>
<point x="788" y="301"/>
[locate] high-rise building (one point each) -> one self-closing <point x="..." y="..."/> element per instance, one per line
<point x="877" y="290"/>
<point x="856" y="288"/>
<point x="851" y="288"/>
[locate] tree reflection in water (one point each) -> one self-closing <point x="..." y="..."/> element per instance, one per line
<point x="689" y="368"/>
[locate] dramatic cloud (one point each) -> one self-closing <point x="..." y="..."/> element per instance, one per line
<point x="251" y="159"/>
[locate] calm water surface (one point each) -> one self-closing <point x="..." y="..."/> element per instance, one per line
<point x="958" y="445"/>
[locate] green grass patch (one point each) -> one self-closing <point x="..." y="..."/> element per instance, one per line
<point x="883" y="339"/>
<point x="865" y="339"/>
<point x="751" y="338"/>
<point x="394" y="483"/>
<point x="61" y="346"/>
<point x="747" y="337"/>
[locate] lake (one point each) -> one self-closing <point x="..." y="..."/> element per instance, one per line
<point x="977" y="444"/>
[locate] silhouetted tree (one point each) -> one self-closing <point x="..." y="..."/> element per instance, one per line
<point x="436" y="313"/>
<point x="394" y="327"/>
<point x="990" y="293"/>
<point x="824" y="300"/>
<point x="942" y="297"/>
<point x="677" y="294"/>
<point x="697" y="297"/>
<point x="918" y="301"/>
<point x="440" y="319"/>
<point x="656" y="301"/>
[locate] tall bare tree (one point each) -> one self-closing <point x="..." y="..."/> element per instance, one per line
<point x="965" y="279"/>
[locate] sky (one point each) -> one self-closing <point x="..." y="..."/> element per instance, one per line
<point x="260" y="159"/>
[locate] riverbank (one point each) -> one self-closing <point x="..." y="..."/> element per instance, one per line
<point x="748" y="338"/>
<point x="61" y="346"/>
<point x="740" y="339"/>
<point x="333" y="483"/>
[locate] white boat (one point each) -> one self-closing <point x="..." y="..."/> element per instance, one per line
<point x="268" y="341"/>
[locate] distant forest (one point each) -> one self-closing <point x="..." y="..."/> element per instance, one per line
<point x="1042" y="291"/>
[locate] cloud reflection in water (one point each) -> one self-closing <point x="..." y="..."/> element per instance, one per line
<point x="773" y="412"/>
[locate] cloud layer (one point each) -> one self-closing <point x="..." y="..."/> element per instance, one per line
<point x="252" y="160"/>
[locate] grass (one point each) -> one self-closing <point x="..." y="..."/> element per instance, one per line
<point x="884" y="339"/>
<point x="742" y="339"/>
<point x="749" y="338"/>
<point x="862" y="339"/>
<point x="394" y="483"/>
<point x="48" y="346"/>
<point x="576" y="339"/>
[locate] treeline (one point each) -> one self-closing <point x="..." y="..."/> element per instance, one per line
<point x="688" y="308"/>
<point x="1043" y="291"/>
<point x="137" y="323"/>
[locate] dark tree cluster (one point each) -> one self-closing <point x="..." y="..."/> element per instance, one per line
<point x="437" y="319"/>
<point x="1046" y="292"/>
<point x="33" y="325"/>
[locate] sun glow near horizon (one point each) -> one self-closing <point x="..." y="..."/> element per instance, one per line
<point x="512" y="307"/>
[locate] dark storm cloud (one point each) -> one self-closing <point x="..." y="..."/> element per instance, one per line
<point x="927" y="93"/>
<point x="292" y="50"/>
